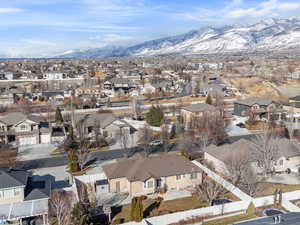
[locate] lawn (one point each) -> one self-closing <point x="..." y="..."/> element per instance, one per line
<point x="269" y="188"/>
<point x="165" y="207"/>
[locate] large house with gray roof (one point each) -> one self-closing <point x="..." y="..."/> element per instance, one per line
<point x="287" y="158"/>
<point x="22" y="196"/>
<point x="189" y="113"/>
<point x="23" y="129"/>
<point x="142" y="176"/>
<point x="263" y="108"/>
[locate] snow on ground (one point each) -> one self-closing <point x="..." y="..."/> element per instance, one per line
<point x="140" y="124"/>
<point x="38" y="151"/>
<point x="234" y="130"/>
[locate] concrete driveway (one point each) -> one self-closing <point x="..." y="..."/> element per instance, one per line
<point x="292" y="178"/>
<point x="32" y="152"/>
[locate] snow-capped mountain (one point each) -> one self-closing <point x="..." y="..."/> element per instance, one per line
<point x="267" y="35"/>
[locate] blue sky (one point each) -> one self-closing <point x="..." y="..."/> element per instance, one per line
<point x="45" y="27"/>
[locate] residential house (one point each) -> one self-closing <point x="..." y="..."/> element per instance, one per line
<point x="142" y="176"/>
<point x="55" y="96"/>
<point x="119" y="84"/>
<point x="105" y="124"/>
<point x="295" y="101"/>
<point x="190" y="112"/>
<point x="288" y="218"/>
<point x="23" y="129"/>
<point x="263" y="108"/>
<point x="287" y="159"/>
<point x="22" y="196"/>
<point x="54" y="76"/>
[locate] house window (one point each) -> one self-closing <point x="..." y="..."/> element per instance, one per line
<point x="178" y="177"/>
<point x="149" y="184"/>
<point x="23" y="127"/>
<point x="281" y="162"/>
<point x="193" y="175"/>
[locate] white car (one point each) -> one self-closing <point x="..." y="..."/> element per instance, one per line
<point x="156" y="143"/>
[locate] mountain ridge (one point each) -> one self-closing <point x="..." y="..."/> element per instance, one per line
<point x="267" y="35"/>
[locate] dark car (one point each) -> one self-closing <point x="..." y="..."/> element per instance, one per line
<point x="220" y="201"/>
<point x="241" y="125"/>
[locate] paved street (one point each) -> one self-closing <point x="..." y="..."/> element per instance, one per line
<point x="96" y="156"/>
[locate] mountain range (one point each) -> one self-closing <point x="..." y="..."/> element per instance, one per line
<point x="268" y="35"/>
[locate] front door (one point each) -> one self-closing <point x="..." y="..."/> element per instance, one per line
<point x="118" y="189"/>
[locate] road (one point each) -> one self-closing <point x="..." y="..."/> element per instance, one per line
<point x="96" y="157"/>
<point x="101" y="156"/>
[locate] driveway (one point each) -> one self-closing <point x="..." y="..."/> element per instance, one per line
<point x="234" y="130"/>
<point x="292" y="178"/>
<point x="32" y="152"/>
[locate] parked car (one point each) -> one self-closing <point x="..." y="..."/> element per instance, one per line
<point x="241" y="125"/>
<point x="156" y="143"/>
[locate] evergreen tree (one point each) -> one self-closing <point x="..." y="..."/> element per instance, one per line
<point x="80" y="214"/>
<point x="136" y="212"/>
<point x="155" y="116"/>
<point x="73" y="161"/>
<point x="58" y="116"/>
<point x="208" y="100"/>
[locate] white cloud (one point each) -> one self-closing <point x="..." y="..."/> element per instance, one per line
<point x="110" y="39"/>
<point x="10" y="10"/>
<point x="267" y="8"/>
<point x="39" y="42"/>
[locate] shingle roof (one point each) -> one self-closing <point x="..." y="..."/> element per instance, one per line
<point x="11" y="177"/>
<point x="141" y="169"/>
<point x="295" y="98"/>
<point x="254" y="100"/>
<point x="286" y="148"/>
<point x="37" y="188"/>
<point x="200" y="107"/>
<point x="17" y="117"/>
<point x="104" y="119"/>
<point x="290" y="218"/>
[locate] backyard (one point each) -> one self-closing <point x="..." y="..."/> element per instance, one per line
<point x="121" y="213"/>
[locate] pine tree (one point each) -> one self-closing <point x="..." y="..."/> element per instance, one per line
<point x="58" y="116"/>
<point x="80" y="214"/>
<point x="155" y="116"/>
<point x="208" y="100"/>
<point x="136" y="212"/>
<point x="73" y="161"/>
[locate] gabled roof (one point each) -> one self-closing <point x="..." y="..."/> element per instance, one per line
<point x="295" y="98"/>
<point x="37" y="188"/>
<point x="141" y="169"/>
<point x="254" y="100"/>
<point x="101" y="119"/>
<point x="201" y="107"/>
<point x="286" y="148"/>
<point x="12" y="177"/>
<point x="17" y="117"/>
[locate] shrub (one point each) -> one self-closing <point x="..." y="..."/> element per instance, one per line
<point x="251" y="209"/>
<point x="155" y="116"/>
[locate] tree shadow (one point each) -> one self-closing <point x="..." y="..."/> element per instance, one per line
<point x="150" y="208"/>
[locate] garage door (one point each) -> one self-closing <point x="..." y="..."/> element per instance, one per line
<point x="28" y="141"/>
<point x="45" y="139"/>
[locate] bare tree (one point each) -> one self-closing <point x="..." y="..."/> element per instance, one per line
<point x="289" y="123"/>
<point x="265" y="151"/>
<point x="83" y="154"/>
<point x="164" y="136"/>
<point x="240" y="172"/>
<point x="136" y="108"/>
<point x="124" y="138"/>
<point x="146" y="136"/>
<point x="60" y="207"/>
<point x="209" y="190"/>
